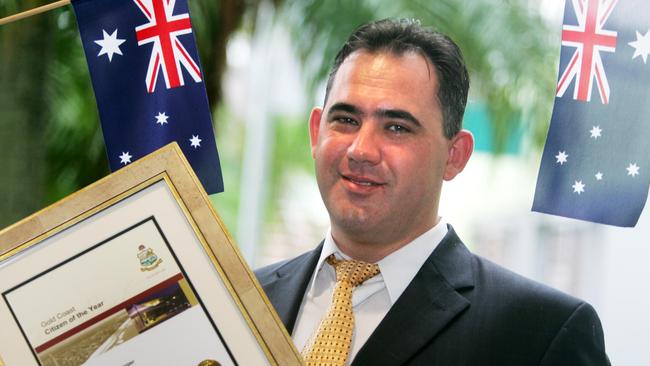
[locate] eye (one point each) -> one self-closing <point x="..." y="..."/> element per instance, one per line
<point x="345" y="120"/>
<point x="396" y="128"/>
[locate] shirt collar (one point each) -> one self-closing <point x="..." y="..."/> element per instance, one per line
<point x="398" y="268"/>
<point x="329" y="248"/>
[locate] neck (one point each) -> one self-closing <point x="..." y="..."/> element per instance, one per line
<point x="372" y="249"/>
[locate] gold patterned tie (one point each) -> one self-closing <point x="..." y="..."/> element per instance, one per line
<point x="330" y="345"/>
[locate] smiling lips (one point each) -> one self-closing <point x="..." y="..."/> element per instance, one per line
<point x="360" y="182"/>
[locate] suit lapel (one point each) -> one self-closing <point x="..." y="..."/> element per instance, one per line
<point x="428" y="304"/>
<point x="286" y="289"/>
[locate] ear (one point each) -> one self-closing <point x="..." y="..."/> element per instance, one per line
<point x="460" y="149"/>
<point x="314" y="126"/>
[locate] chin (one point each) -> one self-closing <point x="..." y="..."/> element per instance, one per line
<point x="356" y="222"/>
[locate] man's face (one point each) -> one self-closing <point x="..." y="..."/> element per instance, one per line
<point x="379" y="148"/>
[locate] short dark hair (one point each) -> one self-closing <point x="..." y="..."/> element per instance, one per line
<point x="404" y="35"/>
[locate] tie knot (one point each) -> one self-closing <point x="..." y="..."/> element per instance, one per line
<point x="353" y="271"/>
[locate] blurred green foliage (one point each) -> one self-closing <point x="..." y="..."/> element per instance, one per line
<point x="75" y="146"/>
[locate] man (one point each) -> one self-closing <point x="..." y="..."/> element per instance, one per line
<point x="387" y="136"/>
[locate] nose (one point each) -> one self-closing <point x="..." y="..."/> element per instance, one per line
<point x="365" y="147"/>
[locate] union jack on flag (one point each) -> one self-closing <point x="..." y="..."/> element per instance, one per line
<point x="168" y="54"/>
<point x="589" y="39"/>
<point x="129" y="44"/>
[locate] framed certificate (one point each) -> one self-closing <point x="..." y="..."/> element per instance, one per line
<point x="136" y="269"/>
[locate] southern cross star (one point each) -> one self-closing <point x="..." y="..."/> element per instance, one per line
<point x="632" y="169"/>
<point x="578" y="187"/>
<point x="161" y="118"/>
<point x="195" y="141"/>
<point x="561" y="157"/>
<point x="595" y="132"/>
<point x="125" y="158"/>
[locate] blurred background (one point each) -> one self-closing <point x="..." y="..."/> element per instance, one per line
<point x="264" y="64"/>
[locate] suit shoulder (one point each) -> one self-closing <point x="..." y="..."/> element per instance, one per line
<point x="271" y="271"/>
<point x="511" y="286"/>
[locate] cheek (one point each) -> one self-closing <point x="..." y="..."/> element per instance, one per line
<point x="329" y="152"/>
<point x="420" y="168"/>
<point x="327" y="161"/>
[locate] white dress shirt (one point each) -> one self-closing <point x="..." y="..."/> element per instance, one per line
<point x="372" y="299"/>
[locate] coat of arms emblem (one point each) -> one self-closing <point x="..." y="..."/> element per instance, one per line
<point x="148" y="259"/>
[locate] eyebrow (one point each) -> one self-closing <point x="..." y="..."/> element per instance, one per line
<point x="344" y="107"/>
<point x="398" y="114"/>
<point x="381" y="113"/>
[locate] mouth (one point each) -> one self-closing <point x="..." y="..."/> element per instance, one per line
<point x="361" y="181"/>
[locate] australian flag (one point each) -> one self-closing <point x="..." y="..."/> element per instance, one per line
<point x="148" y="83"/>
<point x="596" y="161"/>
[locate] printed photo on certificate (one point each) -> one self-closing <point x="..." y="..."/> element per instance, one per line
<point x="123" y="301"/>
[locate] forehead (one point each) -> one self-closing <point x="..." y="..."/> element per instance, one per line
<point x="409" y="76"/>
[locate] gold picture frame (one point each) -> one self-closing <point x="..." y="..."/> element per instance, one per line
<point x="125" y="262"/>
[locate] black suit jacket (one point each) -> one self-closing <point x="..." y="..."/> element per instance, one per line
<point x="461" y="309"/>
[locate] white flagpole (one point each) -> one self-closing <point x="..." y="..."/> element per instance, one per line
<point x="29" y="13"/>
